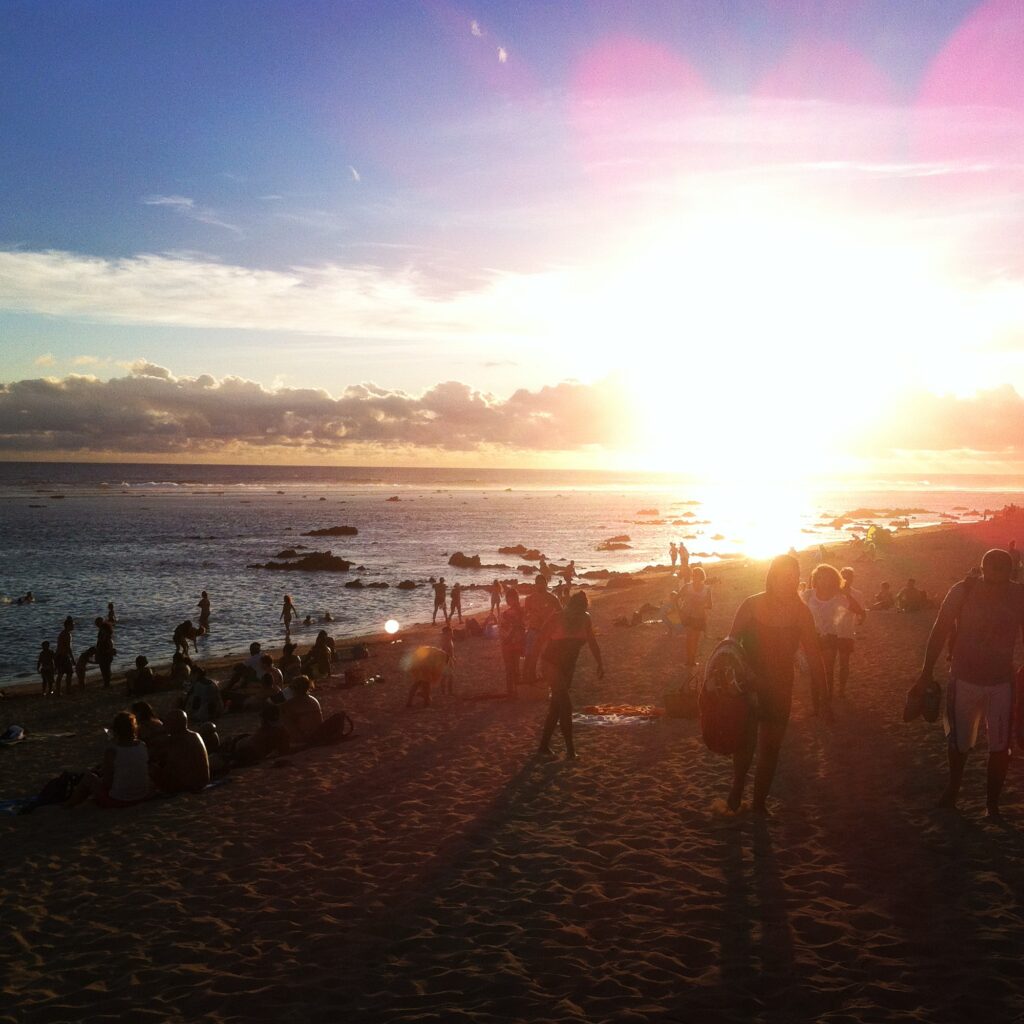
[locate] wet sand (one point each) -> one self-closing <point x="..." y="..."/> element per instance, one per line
<point x="431" y="869"/>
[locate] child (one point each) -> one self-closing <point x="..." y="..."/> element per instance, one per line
<point x="424" y="667"/>
<point x="82" y="663"/>
<point x="448" y="676"/>
<point x="46" y="667"/>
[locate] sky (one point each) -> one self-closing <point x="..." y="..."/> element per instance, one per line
<point x="675" y="236"/>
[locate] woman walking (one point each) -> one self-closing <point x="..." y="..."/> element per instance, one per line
<point x="559" y="645"/>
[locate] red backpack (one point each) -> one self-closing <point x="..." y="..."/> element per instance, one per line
<point x="724" y="698"/>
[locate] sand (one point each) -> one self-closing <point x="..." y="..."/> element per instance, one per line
<point x="430" y="869"/>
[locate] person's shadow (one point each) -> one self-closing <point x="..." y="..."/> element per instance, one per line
<point x="756" y="940"/>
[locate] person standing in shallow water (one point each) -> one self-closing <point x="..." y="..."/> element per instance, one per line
<point x="105" y="649"/>
<point x="65" y="654"/>
<point x="288" y="612"/>
<point x="204" y="611"/>
<point x="456" y="602"/>
<point x="771" y="627"/>
<point x="560" y="643"/>
<point x="440" y="602"/>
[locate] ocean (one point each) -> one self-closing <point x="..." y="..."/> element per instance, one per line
<point x="150" y="538"/>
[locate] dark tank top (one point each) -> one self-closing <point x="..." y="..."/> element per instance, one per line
<point x="561" y="653"/>
<point x="772" y="651"/>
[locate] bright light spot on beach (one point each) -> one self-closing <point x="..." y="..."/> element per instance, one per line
<point x="391" y="626"/>
<point x="762" y="521"/>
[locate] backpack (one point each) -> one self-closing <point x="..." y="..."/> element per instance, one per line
<point x="56" y="791"/>
<point x="724" y="700"/>
<point x="334" y="729"/>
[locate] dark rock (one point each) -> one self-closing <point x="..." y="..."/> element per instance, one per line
<point x="394" y="497"/>
<point x="354" y="585"/>
<point x="461" y="561"/>
<point x="407" y="585"/>
<point x="315" y="561"/>
<point x="287" y="553"/>
<point x="380" y="585"/>
<point x="597" y="574"/>
<point x="333" y="531"/>
<point x="619" y="580"/>
<point x="528" y="554"/>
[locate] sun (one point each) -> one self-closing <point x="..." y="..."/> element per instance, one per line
<point x="766" y="335"/>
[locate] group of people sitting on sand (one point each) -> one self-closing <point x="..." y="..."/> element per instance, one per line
<point x="182" y="751"/>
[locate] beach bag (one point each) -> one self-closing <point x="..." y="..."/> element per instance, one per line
<point x="724" y="700"/>
<point x="333" y="729"/>
<point x="56" y="791"/>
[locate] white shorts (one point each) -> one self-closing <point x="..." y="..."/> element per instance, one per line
<point x="966" y="706"/>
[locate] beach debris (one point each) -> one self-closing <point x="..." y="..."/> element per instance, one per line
<point x="333" y="531"/>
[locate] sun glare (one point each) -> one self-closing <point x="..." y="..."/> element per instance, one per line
<point x="767" y="333"/>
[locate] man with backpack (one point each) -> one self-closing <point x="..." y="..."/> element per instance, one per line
<point x="984" y="616"/>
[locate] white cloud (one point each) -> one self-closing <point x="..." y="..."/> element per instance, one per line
<point x="474" y="28"/>
<point x="187" y="207"/>
<point x="502" y="55"/>
<point x="334" y="300"/>
<point x="45" y="360"/>
<point x="356" y="177"/>
<point x="85" y="360"/>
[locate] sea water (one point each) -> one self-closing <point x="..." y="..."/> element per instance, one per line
<point x="151" y="538"/>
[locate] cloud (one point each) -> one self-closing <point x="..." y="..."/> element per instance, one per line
<point x="45" y="360"/>
<point x="356" y="177"/>
<point x="85" y="360"/>
<point x="152" y="411"/>
<point x="475" y="29"/>
<point x="990" y="422"/>
<point x="361" y="301"/>
<point x="187" y="208"/>
<point x="502" y="55"/>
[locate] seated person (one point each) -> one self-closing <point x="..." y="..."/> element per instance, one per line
<point x="910" y="599"/>
<point x="320" y="656"/>
<point x="142" y="680"/>
<point x="181" y="670"/>
<point x="123" y="779"/>
<point x="883" y="599"/>
<point x="270" y="738"/>
<point x="246" y="672"/>
<point x="185" y="767"/>
<point x="301" y="715"/>
<point x="290" y="664"/>
<point x="203" y="702"/>
<point x="267" y="667"/>
<point x="151" y="729"/>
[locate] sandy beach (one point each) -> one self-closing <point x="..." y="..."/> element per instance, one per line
<point x="431" y="869"/>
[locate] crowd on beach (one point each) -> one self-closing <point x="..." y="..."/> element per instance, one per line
<point x="540" y="633"/>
